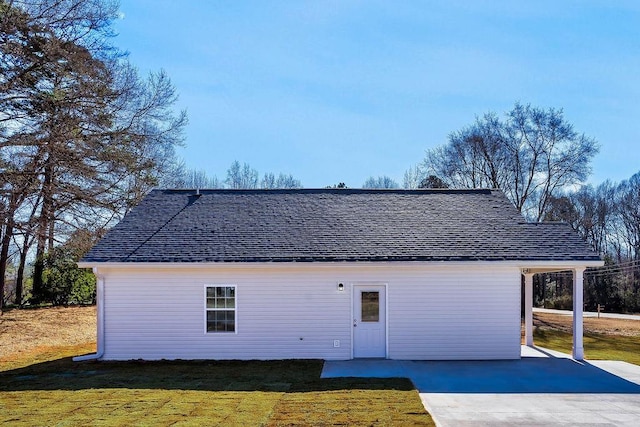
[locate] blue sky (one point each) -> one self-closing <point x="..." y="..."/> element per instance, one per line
<point x="334" y="91"/>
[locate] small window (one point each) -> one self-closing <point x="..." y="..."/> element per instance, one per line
<point x="370" y="303"/>
<point x="221" y="308"/>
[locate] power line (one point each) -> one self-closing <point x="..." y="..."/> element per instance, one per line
<point x="609" y="271"/>
<point x="632" y="262"/>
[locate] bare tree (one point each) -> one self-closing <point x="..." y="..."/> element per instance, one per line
<point x="238" y="177"/>
<point x="270" y="181"/>
<point x="629" y="208"/>
<point x="182" y="177"/>
<point x="608" y="217"/>
<point x="532" y="154"/>
<point x="241" y="176"/>
<point x="412" y="177"/>
<point x="591" y="211"/>
<point x="382" y="182"/>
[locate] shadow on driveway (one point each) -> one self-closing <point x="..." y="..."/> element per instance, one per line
<point x="528" y="375"/>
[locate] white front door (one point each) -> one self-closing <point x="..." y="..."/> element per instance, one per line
<point x="369" y="321"/>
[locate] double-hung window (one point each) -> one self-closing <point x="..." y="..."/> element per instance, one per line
<point x="221" y="308"/>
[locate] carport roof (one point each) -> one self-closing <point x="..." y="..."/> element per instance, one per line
<point x="330" y="225"/>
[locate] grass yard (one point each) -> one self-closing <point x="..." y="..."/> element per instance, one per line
<point x="596" y="346"/>
<point x="42" y="386"/>
<point x="606" y="339"/>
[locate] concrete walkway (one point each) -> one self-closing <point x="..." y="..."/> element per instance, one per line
<point x="588" y="314"/>
<point x="543" y="388"/>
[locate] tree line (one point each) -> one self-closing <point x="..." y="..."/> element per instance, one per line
<point x="239" y="176"/>
<point x="607" y="216"/>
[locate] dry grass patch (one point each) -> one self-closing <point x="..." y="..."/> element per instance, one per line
<point x="42" y="354"/>
<point x="602" y="325"/>
<point x="28" y="331"/>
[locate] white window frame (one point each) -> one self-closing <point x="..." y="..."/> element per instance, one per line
<point x="207" y="310"/>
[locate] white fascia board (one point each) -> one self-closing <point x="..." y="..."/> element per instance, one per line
<point x="533" y="265"/>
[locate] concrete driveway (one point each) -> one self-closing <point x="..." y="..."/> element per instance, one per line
<point x="543" y="388"/>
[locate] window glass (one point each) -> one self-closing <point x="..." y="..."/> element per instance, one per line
<point x="220" y="307"/>
<point x="370" y="303"/>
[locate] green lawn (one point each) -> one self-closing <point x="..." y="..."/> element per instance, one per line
<point x="596" y="346"/>
<point x="274" y="393"/>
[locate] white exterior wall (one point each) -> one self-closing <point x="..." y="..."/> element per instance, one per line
<point x="442" y="311"/>
<point x="461" y="314"/>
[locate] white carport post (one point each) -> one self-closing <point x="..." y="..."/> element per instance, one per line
<point x="528" y="308"/>
<point x="578" y="285"/>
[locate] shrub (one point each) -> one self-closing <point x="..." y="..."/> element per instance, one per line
<point x="64" y="283"/>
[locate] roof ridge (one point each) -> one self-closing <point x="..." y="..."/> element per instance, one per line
<point x="328" y="190"/>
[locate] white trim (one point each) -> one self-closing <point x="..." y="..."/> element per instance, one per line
<point x="386" y="321"/>
<point x="528" y="309"/>
<point x="578" y="298"/>
<point x="235" y="309"/>
<point x="557" y="265"/>
<point x="384" y="285"/>
<point x="351" y="318"/>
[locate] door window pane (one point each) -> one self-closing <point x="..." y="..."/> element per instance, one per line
<point x="370" y="306"/>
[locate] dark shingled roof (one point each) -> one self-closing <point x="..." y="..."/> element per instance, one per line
<point x="333" y="225"/>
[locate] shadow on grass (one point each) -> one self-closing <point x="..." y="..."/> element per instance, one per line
<point x="278" y="376"/>
<point x="597" y="346"/>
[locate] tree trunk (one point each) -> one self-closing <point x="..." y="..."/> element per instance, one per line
<point x="4" y="257"/>
<point x="20" y="274"/>
<point x="42" y="232"/>
<point x="4" y="250"/>
<point x="50" y="235"/>
<point x="38" y="270"/>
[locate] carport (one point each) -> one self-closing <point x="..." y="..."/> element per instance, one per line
<point x="578" y="298"/>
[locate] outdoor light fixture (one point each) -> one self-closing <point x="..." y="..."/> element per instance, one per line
<point x="340" y="287"/>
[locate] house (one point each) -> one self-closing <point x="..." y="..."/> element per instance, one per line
<point x="325" y="273"/>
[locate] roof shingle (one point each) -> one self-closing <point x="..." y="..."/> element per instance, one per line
<point x="333" y="225"/>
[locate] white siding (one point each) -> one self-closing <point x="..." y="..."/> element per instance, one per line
<point x="451" y="314"/>
<point x="296" y="311"/>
